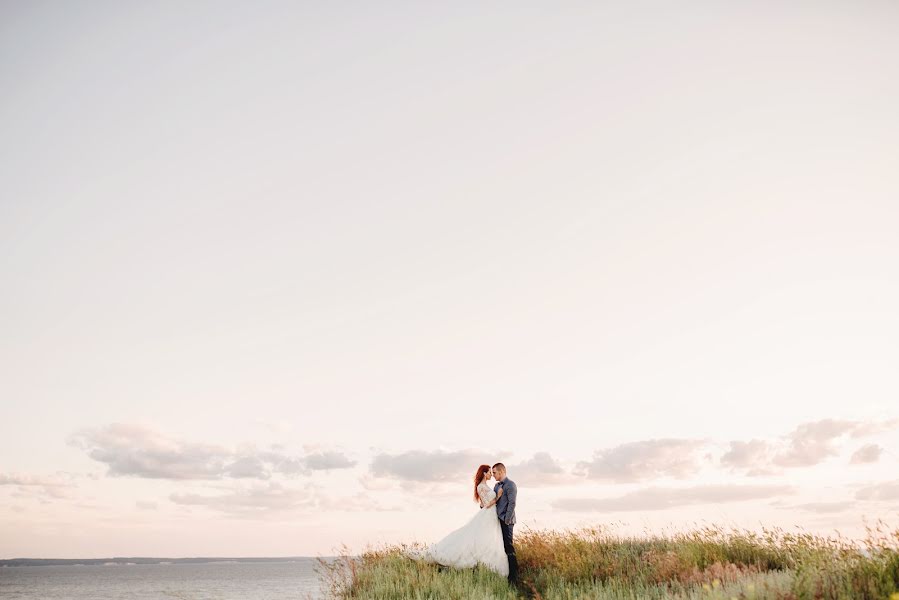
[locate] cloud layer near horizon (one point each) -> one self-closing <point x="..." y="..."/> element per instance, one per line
<point x="138" y="451"/>
<point x="267" y="484"/>
<point x="130" y="450"/>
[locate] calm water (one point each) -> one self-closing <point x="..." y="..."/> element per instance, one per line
<point x="211" y="581"/>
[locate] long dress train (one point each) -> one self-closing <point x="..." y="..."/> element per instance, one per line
<point x="480" y="540"/>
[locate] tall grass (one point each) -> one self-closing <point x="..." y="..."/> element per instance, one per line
<point x="390" y="573"/>
<point x="596" y="563"/>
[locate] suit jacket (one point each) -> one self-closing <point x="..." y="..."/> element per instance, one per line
<point x="505" y="506"/>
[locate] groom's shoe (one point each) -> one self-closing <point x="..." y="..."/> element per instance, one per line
<point x="513" y="570"/>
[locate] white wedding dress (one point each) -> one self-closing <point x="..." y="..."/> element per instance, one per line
<point x="480" y="540"/>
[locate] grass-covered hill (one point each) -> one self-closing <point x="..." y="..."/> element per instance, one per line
<point x="597" y="564"/>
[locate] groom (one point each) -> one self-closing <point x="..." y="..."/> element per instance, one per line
<point x="505" y="510"/>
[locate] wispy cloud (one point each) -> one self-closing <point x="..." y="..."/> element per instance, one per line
<point x="540" y="470"/>
<point x="885" y="491"/>
<point x="428" y="465"/>
<point x="812" y="443"/>
<point x="275" y="500"/>
<point x="752" y="457"/>
<point x="134" y="450"/>
<point x="867" y="428"/>
<point x="56" y="486"/>
<point x="248" y="467"/>
<point x="253" y="501"/>
<point x="138" y="451"/>
<point x="324" y="461"/>
<point x="807" y="445"/>
<point x="869" y="453"/>
<point x="824" y="507"/>
<point x="643" y="460"/>
<point x="659" y="498"/>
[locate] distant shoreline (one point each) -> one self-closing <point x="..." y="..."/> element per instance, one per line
<point x="142" y="560"/>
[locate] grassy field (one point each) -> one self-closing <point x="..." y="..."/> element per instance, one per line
<point x="598" y="564"/>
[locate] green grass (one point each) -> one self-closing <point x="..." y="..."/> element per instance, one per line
<point x="709" y="563"/>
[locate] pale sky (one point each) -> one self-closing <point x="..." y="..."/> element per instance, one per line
<point x="278" y="276"/>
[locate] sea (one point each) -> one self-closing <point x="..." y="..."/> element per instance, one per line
<point x="296" y="579"/>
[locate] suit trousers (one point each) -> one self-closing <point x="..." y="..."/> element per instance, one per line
<point x="510" y="550"/>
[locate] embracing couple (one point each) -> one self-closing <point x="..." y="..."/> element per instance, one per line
<point x="487" y="537"/>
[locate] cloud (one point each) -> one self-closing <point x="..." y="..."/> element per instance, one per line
<point x="427" y="466"/>
<point x="824" y="507"/>
<point x="322" y="461"/>
<point x="657" y="498"/>
<point x="812" y="443"/>
<point x="869" y="453"/>
<point x="137" y="451"/>
<point x="868" y="428"/>
<point x="274" y="499"/>
<point x="55" y="487"/>
<point x="303" y="465"/>
<point x="541" y="469"/>
<point x="886" y="491"/>
<point x="809" y="444"/>
<point x="286" y="465"/>
<point x="247" y="467"/>
<point x="753" y="457"/>
<point x="361" y="502"/>
<point x="638" y="461"/>
<point x="257" y="500"/>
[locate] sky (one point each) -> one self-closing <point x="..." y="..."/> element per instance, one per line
<point x="277" y="277"/>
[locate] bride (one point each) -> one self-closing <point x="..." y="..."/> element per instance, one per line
<point x="480" y="539"/>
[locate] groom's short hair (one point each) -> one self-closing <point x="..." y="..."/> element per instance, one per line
<point x="500" y="465"/>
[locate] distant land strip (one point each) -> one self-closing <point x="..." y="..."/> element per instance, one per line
<point x="142" y="560"/>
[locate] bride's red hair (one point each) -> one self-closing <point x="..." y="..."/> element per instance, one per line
<point x="478" y="476"/>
